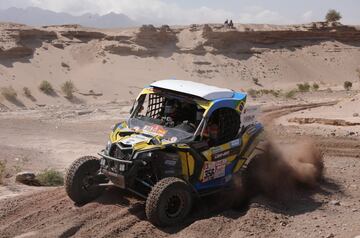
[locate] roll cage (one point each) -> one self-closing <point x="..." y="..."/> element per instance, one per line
<point x="226" y="111"/>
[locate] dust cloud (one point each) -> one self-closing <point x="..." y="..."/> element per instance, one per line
<point x="282" y="169"/>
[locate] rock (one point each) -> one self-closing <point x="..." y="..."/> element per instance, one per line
<point x="331" y="235"/>
<point x="59" y="45"/>
<point x="283" y="223"/>
<point x="27" y="178"/>
<point x="335" y="202"/>
<point x="84" y="36"/>
<point x="99" y="111"/>
<point x="65" y="65"/>
<point x="85" y="112"/>
<point x="355" y="114"/>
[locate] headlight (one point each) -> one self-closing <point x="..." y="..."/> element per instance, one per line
<point x="144" y="155"/>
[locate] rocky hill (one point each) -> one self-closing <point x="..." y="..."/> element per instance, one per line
<point x="35" y="16"/>
<point x="118" y="62"/>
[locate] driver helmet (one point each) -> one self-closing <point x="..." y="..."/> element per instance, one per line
<point x="213" y="131"/>
<point x="170" y="107"/>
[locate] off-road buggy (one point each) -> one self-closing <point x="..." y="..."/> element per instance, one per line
<point x="183" y="140"/>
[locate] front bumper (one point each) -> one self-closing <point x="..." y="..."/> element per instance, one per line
<point x="121" y="173"/>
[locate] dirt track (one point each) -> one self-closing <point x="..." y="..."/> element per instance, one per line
<point x="306" y="213"/>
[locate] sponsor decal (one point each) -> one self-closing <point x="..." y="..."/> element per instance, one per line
<point x="216" y="150"/>
<point x="155" y="130"/>
<point x="170" y="162"/>
<point x="134" y="139"/>
<point x="226" y="153"/>
<point x="249" y="115"/>
<point x="214" y="170"/>
<point x="221" y="154"/>
<point x="235" y="143"/>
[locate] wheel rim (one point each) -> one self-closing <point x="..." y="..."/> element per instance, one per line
<point x="174" y="206"/>
<point x="88" y="182"/>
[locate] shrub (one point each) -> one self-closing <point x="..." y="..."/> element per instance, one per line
<point x="315" y="86"/>
<point x="332" y="16"/>
<point x="291" y="94"/>
<point x="275" y="93"/>
<point x="68" y="88"/>
<point x="46" y="87"/>
<point x="347" y="85"/>
<point x="50" y="177"/>
<point x="263" y="91"/>
<point x="305" y="87"/>
<point x="27" y="92"/>
<point x="2" y="171"/>
<point x="252" y="93"/>
<point x="9" y="93"/>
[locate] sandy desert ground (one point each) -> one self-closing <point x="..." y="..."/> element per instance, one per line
<point x="50" y="131"/>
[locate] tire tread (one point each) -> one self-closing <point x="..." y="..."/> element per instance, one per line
<point x="153" y="199"/>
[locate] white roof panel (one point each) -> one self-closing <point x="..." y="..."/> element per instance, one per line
<point x="197" y="89"/>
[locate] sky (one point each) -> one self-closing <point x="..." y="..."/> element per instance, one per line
<point x="203" y="11"/>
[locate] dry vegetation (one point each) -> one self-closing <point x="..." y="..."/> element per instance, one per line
<point x="2" y="171"/>
<point x="347" y="85"/>
<point x="315" y="87"/>
<point x="50" y="177"/>
<point x="46" y="87"/>
<point x="9" y="93"/>
<point x="27" y="92"/>
<point x="303" y="87"/>
<point x="68" y="88"/>
<point x="290" y="94"/>
<point x="258" y="93"/>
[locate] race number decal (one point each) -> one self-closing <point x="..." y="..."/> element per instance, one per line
<point x="249" y="115"/>
<point x="214" y="170"/>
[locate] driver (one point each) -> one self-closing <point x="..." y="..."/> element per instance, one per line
<point x="171" y="112"/>
<point x="211" y="134"/>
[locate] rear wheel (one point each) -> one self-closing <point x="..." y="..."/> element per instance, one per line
<point x="82" y="179"/>
<point x="169" y="202"/>
<point x="247" y="185"/>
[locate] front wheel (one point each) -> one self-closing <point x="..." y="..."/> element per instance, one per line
<point x="169" y="202"/>
<point x="81" y="180"/>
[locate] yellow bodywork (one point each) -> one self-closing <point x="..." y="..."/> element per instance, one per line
<point x="235" y="148"/>
<point x="188" y="161"/>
